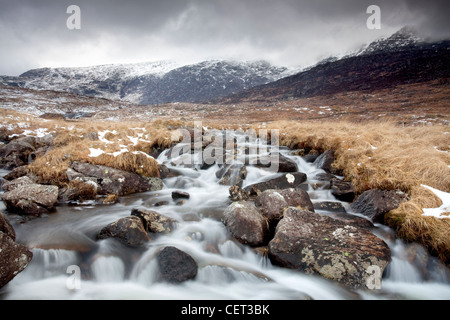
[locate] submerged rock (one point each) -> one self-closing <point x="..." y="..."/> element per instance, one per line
<point x="176" y="195"/>
<point x="318" y="244"/>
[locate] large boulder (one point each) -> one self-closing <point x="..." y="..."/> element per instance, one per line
<point x="376" y="203"/>
<point x="246" y="223"/>
<point x="176" y="266"/>
<point x="30" y="198"/>
<point x="286" y="181"/>
<point x="318" y="244"/>
<point x="272" y="203"/>
<point x="14" y="258"/>
<point x="115" y="181"/>
<point x="129" y="230"/>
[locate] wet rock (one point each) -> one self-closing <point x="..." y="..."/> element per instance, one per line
<point x="114" y="181"/>
<point x="176" y="266"/>
<point x="16" y="153"/>
<point x="176" y="195"/>
<point x="330" y="206"/>
<point x="22" y="151"/>
<point x="277" y="162"/>
<point x="161" y="203"/>
<point x="325" y="160"/>
<point x="273" y="203"/>
<point x="235" y="174"/>
<point x="77" y="190"/>
<point x="376" y="203"/>
<point x="17" y="173"/>
<point x="311" y="156"/>
<point x="129" y="230"/>
<point x="153" y="221"/>
<point x="324" y="176"/>
<point x="32" y="199"/>
<point x="318" y="244"/>
<point x="14" y="258"/>
<point x="246" y="223"/>
<point x="165" y="172"/>
<point x="11" y="185"/>
<point x="238" y="194"/>
<point x="6" y="227"/>
<point x="351" y="219"/>
<point x="342" y="190"/>
<point x="286" y="181"/>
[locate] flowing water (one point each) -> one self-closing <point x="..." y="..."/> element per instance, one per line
<point x="227" y="269"/>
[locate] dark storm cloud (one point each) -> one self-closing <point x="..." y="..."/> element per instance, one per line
<point x="33" y="33"/>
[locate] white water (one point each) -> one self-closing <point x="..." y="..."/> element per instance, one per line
<point x="227" y="269"/>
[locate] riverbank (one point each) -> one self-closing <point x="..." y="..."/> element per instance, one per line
<point x="371" y="156"/>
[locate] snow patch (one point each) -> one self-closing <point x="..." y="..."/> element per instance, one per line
<point x="438" y="212"/>
<point x="95" y="152"/>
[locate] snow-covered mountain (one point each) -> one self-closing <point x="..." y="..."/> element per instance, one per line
<point x="400" y="59"/>
<point x="152" y="82"/>
<point x="398" y="41"/>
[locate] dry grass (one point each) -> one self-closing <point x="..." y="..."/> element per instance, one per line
<point x="372" y="155"/>
<point x="411" y="225"/>
<point x="376" y="154"/>
<point x="382" y="155"/>
<point x="127" y="144"/>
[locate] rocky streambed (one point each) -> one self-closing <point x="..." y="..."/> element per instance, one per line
<point x="234" y="218"/>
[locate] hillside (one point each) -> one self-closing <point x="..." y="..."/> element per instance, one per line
<point x="398" y="60"/>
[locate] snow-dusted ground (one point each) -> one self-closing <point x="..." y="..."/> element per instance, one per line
<point x="39" y="102"/>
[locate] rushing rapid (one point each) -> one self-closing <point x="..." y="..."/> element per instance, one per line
<point x="226" y="268"/>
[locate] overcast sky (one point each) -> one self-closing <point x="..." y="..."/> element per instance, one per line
<point x="292" y="33"/>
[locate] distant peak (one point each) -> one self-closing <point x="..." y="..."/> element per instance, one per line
<point x="404" y="37"/>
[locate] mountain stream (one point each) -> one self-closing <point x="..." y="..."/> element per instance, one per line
<point x="226" y="269"/>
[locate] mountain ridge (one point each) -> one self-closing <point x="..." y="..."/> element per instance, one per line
<point x="399" y="59"/>
<point x="152" y="82"/>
